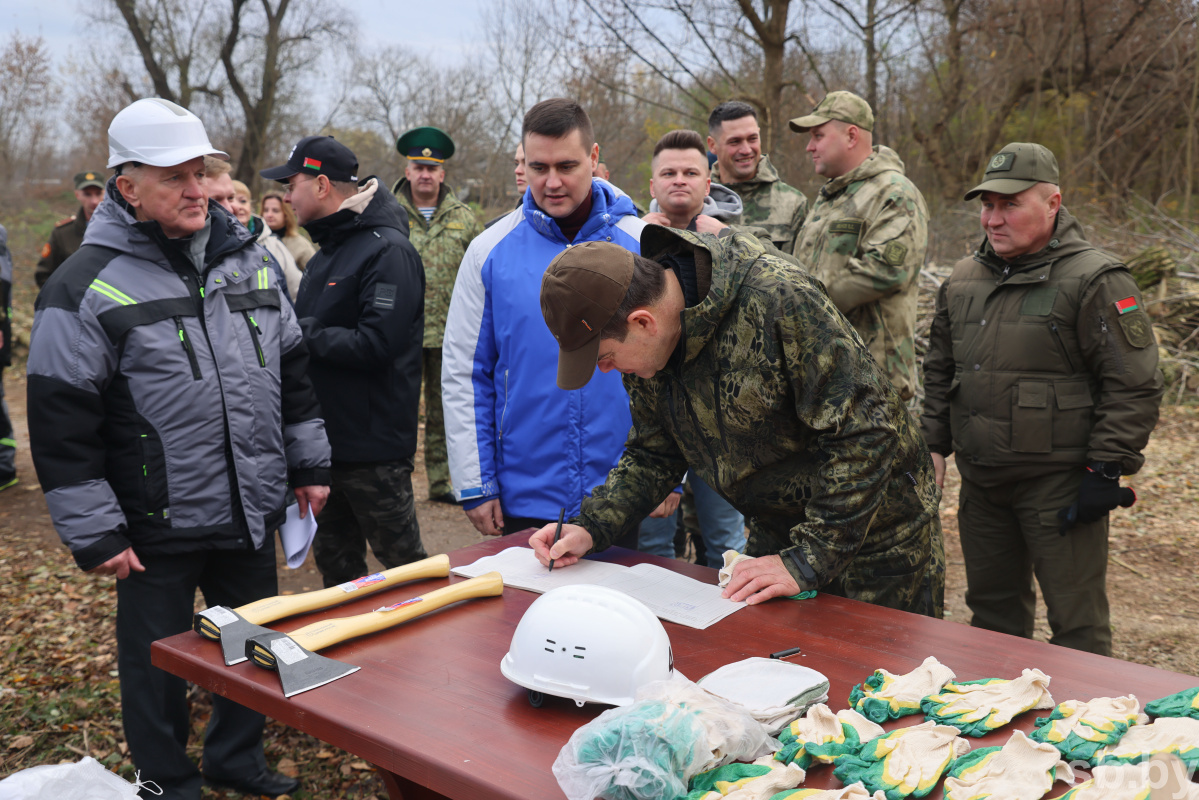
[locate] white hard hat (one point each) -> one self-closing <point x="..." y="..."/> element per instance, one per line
<point x="159" y="133"/>
<point x="589" y="644"/>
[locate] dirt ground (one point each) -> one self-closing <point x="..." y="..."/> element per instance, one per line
<point x="58" y="688"/>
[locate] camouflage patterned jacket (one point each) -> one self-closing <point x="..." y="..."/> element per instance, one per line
<point x="770" y="204"/>
<point x="865" y="239"/>
<point x="774" y="401"/>
<point x="441" y="243"/>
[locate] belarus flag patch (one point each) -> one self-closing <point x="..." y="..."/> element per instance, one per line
<point x="312" y="163"/>
<point x="1126" y="305"/>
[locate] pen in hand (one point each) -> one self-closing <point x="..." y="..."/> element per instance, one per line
<point x="557" y="535"/>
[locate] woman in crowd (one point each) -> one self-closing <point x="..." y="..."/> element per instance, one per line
<point x="281" y="219"/>
<point x="243" y="204"/>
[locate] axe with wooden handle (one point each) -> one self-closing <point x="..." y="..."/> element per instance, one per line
<point x="301" y="669"/>
<point x="232" y="626"/>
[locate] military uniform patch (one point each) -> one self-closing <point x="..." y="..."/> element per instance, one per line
<point x="1137" y="328"/>
<point x="46" y="250"/>
<point x="385" y="296"/>
<point x="850" y="226"/>
<point x="455" y="226"/>
<point x="894" y="253"/>
<point x="1002" y="162"/>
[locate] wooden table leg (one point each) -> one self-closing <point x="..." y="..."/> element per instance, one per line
<point x="400" y="788"/>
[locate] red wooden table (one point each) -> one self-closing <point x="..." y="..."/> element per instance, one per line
<point x="431" y="710"/>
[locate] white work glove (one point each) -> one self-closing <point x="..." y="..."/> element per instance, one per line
<point x="906" y="761"/>
<point x="978" y="707"/>
<point x="758" y="780"/>
<point x="1078" y="729"/>
<point x="731" y="559"/>
<point x="1164" y="776"/>
<point x="1178" y="735"/>
<point x="854" y="791"/>
<point x="1020" y="770"/>
<point x="885" y="696"/>
<point x="820" y="736"/>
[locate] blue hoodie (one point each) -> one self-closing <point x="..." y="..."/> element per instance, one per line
<point x="510" y="431"/>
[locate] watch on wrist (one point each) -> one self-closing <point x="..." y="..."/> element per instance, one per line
<point x="1108" y="469"/>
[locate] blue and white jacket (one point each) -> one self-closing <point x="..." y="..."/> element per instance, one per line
<point x="510" y="431"/>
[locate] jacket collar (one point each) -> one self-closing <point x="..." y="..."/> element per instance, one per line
<point x="881" y="159"/>
<point x="1068" y="239"/>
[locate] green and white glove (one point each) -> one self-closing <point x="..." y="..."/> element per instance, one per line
<point x="820" y="736"/>
<point x="884" y="696"/>
<point x="1020" y="770"/>
<point x="1182" y="704"/>
<point x="1078" y="729"/>
<point x="1177" y="735"/>
<point x="760" y="780"/>
<point x="854" y="791"/>
<point x="905" y="762"/>
<point x="978" y="707"/>
<point x="1162" y="778"/>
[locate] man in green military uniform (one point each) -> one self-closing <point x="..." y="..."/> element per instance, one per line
<point x="866" y="233"/>
<point x="67" y="235"/>
<point x="769" y="204"/>
<point x="442" y="228"/>
<point x="738" y="366"/>
<point x="1041" y="376"/>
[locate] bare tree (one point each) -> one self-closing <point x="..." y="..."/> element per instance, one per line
<point x="26" y="104"/>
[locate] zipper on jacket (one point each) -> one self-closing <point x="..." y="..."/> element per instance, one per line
<point x="255" y="334"/>
<point x="1062" y="346"/>
<point x="187" y="348"/>
<point x="504" y="410"/>
<point x="1109" y="340"/>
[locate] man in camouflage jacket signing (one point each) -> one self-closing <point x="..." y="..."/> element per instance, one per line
<point x="738" y="366"/>
<point x="866" y="233"/>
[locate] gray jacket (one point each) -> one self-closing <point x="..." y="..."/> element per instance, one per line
<point x="169" y="406"/>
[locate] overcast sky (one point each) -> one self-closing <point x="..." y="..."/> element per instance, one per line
<point x="445" y="29"/>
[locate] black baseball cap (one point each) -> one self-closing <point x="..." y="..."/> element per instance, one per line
<point x="317" y="155"/>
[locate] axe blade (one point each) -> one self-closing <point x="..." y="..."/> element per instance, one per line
<point x="229" y="628"/>
<point x="299" y="669"/>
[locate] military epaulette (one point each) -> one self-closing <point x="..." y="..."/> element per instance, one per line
<point x="66" y="221"/>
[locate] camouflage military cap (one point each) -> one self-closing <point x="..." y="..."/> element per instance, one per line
<point x="86" y="179"/>
<point x="580" y="291"/>
<point x="842" y="106"/>
<point x="1019" y="166"/>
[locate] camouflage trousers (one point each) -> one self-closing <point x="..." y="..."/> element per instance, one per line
<point x="367" y="503"/>
<point x="919" y="589"/>
<point x="437" y="463"/>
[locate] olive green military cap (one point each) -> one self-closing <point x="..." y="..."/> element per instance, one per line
<point x="1019" y="166"/>
<point x="86" y="179"/>
<point x="426" y="145"/>
<point x="841" y="106"/>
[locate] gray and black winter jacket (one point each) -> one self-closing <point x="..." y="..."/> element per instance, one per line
<point x="169" y="405"/>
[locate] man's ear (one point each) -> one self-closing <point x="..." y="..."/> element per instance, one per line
<point x="1054" y="201"/>
<point x="711" y="145"/>
<point x="128" y="190"/>
<point x="643" y="319"/>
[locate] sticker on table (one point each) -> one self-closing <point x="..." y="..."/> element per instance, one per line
<point x="288" y="651"/>
<point x="218" y="615"/>
<point x="401" y="604"/>
<point x="359" y="583"/>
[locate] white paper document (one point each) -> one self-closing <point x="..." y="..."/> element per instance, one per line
<point x="671" y="596"/>
<point x="297" y="535"/>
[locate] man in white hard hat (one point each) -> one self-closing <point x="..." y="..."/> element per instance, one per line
<point x="169" y="412"/>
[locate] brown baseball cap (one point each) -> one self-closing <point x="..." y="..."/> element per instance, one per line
<point x="1019" y="166"/>
<point x="842" y="106"/>
<point x="580" y="291"/>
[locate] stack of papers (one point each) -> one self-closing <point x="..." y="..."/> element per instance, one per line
<point x="671" y="596"/>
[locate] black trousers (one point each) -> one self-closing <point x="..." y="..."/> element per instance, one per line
<point x="160" y="602"/>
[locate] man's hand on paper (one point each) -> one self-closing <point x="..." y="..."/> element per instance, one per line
<point x="575" y="543"/>
<point x="487" y="518"/>
<point x="757" y="580"/>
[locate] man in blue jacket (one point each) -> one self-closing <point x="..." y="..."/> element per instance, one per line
<point x="361" y="307"/>
<point x="520" y="448"/>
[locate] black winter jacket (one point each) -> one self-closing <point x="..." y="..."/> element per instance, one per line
<point x="361" y="306"/>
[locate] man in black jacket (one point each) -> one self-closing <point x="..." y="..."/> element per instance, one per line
<point x="361" y="307"/>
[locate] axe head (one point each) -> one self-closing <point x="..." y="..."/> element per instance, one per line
<point x="231" y="629"/>
<point x="299" y="669"/>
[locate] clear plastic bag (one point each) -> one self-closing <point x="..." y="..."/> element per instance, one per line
<point x="650" y="750"/>
<point x="85" y="780"/>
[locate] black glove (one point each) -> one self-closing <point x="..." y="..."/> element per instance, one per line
<point x="1097" y="495"/>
